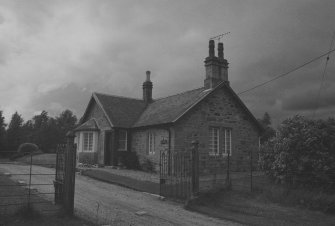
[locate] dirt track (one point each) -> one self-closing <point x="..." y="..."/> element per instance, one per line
<point x="105" y="203"/>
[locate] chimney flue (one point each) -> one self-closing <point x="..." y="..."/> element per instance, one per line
<point x="216" y="67"/>
<point x="220" y="50"/>
<point x="211" y="48"/>
<point x="147" y="88"/>
<point x="148" y="76"/>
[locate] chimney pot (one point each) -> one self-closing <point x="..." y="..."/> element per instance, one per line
<point x="147" y="89"/>
<point x="148" y="75"/>
<point x="211" y="48"/>
<point x="220" y="50"/>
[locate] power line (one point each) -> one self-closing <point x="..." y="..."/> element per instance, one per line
<point x="287" y="73"/>
<point x="323" y="78"/>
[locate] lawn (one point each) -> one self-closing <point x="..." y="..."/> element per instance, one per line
<point x="44" y="159"/>
<point x="253" y="209"/>
<point x="14" y="207"/>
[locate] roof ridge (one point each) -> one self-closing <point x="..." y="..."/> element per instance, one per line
<point x="111" y="95"/>
<point x="178" y="94"/>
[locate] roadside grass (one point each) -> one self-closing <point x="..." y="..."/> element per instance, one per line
<point x="267" y="204"/>
<point x="14" y="208"/>
<point x="44" y="159"/>
<point x="303" y="197"/>
<point x="11" y="196"/>
<point x="30" y="217"/>
<point x="254" y="209"/>
<point x="313" y="199"/>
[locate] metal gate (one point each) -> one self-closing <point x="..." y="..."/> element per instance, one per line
<point x="179" y="176"/>
<point x="65" y="174"/>
<point x="60" y="171"/>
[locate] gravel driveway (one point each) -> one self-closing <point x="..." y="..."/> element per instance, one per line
<point x="105" y="203"/>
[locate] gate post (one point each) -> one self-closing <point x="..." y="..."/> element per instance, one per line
<point x="195" y="168"/>
<point x="70" y="170"/>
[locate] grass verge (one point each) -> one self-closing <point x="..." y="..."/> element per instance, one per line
<point x="255" y="209"/>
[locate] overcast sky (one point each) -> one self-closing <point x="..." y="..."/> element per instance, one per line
<point x="54" y="54"/>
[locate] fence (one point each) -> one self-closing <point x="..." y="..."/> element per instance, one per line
<point x="28" y="183"/>
<point x="31" y="182"/>
<point x="183" y="173"/>
<point x="186" y="172"/>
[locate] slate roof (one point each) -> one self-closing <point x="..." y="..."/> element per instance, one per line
<point x="166" y="110"/>
<point x="127" y="112"/>
<point x="121" y="111"/>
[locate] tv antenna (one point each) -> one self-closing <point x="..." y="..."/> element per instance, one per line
<point x="218" y="37"/>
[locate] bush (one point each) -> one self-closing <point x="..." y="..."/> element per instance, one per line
<point x="148" y="165"/>
<point x="28" y="148"/>
<point x="302" y="153"/>
<point x="130" y="160"/>
<point x="89" y="158"/>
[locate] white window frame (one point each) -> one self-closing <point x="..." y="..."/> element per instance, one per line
<point x="227" y="141"/>
<point x="214" y="135"/>
<point x="223" y="136"/>
<point x="151" y="143"/>
<point x="124" y="140"/>
<point x="88" y="141"/>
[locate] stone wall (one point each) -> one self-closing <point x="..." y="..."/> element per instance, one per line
<point x="103" y="125"/>
<point x="139" y="144"/>
<point x="219" y="109"/>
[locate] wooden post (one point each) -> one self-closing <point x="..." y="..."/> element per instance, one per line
<point x="70" y="170"/>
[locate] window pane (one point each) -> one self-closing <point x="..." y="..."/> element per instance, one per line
<point x="213" y="140"/>
<point x="227" y="141"/>
<point x="88" y="142"/>
<point x="151" y="143"/>
<point x="122" y="140"/>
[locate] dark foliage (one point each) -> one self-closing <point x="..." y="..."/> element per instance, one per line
<point x="28" y="148"/>
<point x="130" y="160"/>
<point x="302" y="153"/>
<point x="15" y="132"/>
<point x="2" y="133"/>
<point x="269" y="132"/>
<point x="88" y="158"/>
<point x="42" y="130"/>
<point x="148" y="165"/>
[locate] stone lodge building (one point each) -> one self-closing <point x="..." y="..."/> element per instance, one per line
<point x="113" y="126"/>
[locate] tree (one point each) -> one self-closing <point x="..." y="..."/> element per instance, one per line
<point x="28" y="129"/>
<point x="40" y="128"/>
<point x="2" y="133"/>
<point x="302" y="153"/>
<point x="14" y="132"/>
<point x="66" y="121"/>
<point x="269" y="132"/>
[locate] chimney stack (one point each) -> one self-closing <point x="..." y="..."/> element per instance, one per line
<point x="216" y="67"/>
<point x="147" y="89"/>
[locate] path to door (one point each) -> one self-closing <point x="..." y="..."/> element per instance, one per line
<point x="105" y="203"/>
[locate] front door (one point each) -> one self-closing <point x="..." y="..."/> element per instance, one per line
<point x="108" y="148"/>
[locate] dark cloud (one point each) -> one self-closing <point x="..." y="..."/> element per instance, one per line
<point x="309" y="101"/>
<point x="55" y="53"/>
<point x="69" y="97"/>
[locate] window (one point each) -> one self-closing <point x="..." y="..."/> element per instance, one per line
<point x="227" y="141"/>
<point x="214" y="138"/>
<point x="88" y="141"/>
<point x="151" y="143"/>
<point x="122" y="140"/>
<point x="219" y="141"/>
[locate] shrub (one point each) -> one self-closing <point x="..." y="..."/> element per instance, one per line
<point x="27" y="148"/>
<point x="148" y="165"/>
<point x="130" y="160"/>
<point x="89" y="158"/>
<point x="302" y="153"/>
